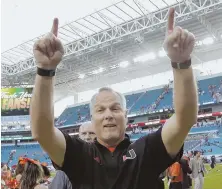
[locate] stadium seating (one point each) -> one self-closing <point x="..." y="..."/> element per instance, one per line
<point x="131" y="99"/>
<point x="209" y="147"/>
<point x="167" y="102"/>
<point x="212" y="146"/>
<point x="148" y="98"/>
<point x="203" y="85"/>
<point x="204" y="129"/>
<point x="33" y="151"/>
<point x="143" y="102"/>
<point x="190" y="145"/>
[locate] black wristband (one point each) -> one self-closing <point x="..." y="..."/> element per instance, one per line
<point x="47" y="73"/>
<point x="183" y="65"/>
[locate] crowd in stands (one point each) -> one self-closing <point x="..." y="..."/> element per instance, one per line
<point x="216" y="92"/>
<point x="159" y="99"/>
<point x="15" y="125"/>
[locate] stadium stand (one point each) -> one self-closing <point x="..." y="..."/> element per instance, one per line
<point x="33" y="151"/>
<point x="207" y="146"/>
<point x="148" y="101"/>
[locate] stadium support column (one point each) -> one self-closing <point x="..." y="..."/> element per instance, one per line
<point x="76" y="98"/>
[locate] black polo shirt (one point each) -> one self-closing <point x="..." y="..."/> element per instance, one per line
<point x="131" y="166"/>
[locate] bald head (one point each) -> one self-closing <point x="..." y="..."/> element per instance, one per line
<point x="86" y="132"/>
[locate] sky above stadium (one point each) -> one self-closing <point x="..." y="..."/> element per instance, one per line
<point x="23" y="20"/>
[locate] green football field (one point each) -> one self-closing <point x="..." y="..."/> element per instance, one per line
<point x="212" y="180"/>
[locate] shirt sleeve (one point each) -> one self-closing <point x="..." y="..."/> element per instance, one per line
<point x="75" y="158"/>
<point x="59" y="181"/>
<point x="155" y="155"/>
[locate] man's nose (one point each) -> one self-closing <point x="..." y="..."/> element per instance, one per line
<point x="108" y="114"/>
<point x="87" y="135"/>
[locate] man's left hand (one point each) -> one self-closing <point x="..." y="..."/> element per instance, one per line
<point x="179" y="43"/>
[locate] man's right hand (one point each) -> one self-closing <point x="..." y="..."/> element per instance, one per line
<point x="49" y="50"/>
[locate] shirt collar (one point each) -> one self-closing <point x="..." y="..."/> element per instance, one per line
<point x="125" y="143"/>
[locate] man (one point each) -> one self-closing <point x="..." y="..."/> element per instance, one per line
<point x="198" y="170"/>
<point x="61" y="181"/>
<point x="184" y="162"/>
<point x="112" y="161"/>
<point x="175" y="176"/>
<point x="213" y="162"/>
<point x="86" y="132"/>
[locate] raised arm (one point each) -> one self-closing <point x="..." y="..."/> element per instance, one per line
<point x="179" y="44"/>
<point x="48" y="53"/>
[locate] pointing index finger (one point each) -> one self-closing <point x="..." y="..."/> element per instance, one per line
<point x="55" y="26"/>
<point x="170" y="23"/>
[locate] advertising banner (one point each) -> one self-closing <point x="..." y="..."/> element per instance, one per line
<point x="15" y="101"/>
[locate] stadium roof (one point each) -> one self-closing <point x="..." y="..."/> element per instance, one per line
<point x="118" y="43"/>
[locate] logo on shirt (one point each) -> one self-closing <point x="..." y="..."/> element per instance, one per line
<point x="97" y="159"/>
<point x="130" y="155"/>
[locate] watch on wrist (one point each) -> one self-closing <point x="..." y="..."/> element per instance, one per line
<point x="46" y="73"/>
<point x="181" y="65"/>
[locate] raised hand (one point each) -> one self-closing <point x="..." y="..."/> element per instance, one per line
<point x="49" y="50"/>
<point x="179" y="43"/>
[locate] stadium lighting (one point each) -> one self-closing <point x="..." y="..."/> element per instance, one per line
<point x="208" y="41"/>
<point x="124" y="64"/>
<point x="162" y="53"/>
<point x="100" y="70"/>
<point x="114" y="66"/>
<point x="81" y="76"/>
<point x="143" y="58"/>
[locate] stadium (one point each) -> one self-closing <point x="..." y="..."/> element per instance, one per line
<point x="120" y="46"/>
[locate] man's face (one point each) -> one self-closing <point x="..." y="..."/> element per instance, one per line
<point x="109" y="118"/>
<point x="87" y="133"/>
<point x="198" y="154"/>
<point x="190" y="154"/>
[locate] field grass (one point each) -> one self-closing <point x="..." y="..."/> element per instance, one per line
<point x="212" y="180"/>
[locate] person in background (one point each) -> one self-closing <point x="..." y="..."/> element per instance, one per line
<point x="5" y="175"/>
<point x="189" y="156"/>
<point x="213" y="162"/>
<point x="61" y="181"/>
<point x="86" y="132"/>
<point x="32" y="175"/>
<point x="198" y="170"/>
<point x="175" y="175"/>
<point x="19" y="169"/>
<point x="160" y="182"/>
<point x="184" y="162"/>
<point x="47" y="174"/>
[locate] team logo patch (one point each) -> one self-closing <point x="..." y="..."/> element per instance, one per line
<point x="130" y="155"/>
<point x="97" y="159"/>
